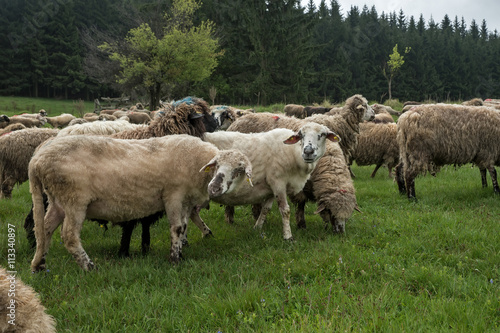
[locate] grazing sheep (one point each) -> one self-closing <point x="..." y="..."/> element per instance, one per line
<point x="60" y="121"/>
<point x="11" y="128"/>
<point x="329" y="184"/>
<point x="20" y="308"/>
<point x="25" y="121"/>
<point x="377" y="145"/>
<point x="166" y="173"/>
<point x="430" y="136"/>
<point x="99" y="128"/>
<point x="16" y="150"/>
<point x="295" y="110"/>
<point x="280" y="166"/>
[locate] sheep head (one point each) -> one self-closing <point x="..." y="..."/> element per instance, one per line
<point x="231" y="168"/>
<point x="313" y="137"/>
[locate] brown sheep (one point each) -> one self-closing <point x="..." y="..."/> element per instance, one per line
<point x="432" y="135"/>
<point x="377" y="145"/>
<point x="16" y="150"/>
<point x="295" y="110"/>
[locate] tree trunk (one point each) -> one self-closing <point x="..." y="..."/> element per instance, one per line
<point x="390" y="91"/>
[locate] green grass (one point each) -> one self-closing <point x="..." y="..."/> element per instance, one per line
<point x="17" y="105"/>
<point x="429" y="266"/>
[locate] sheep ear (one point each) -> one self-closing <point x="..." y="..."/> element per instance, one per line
<point x="195" y="115"/>
<point x="212" y="163"/>
<point x="248" y="172"/>
<point x="320" y="209"/>
<point x="293" y="139"/>
<point x="332" y="137"/>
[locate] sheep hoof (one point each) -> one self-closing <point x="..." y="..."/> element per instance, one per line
<point x="208" y="235"/>
<point x="185" y="243"/>
<point x="290" y="240"/>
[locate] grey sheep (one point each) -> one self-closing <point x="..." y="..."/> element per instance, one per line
<point x="170" y="173"/>
<point x="16" y="150"/>
<point x="377" y="145"/>
<point x="432" y="135"/>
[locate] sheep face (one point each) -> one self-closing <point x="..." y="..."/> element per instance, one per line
<point x="369" y="113"/>
<point x="313" y="138"/>
<point x="222" y="117"/>
<point x="231" y="168"/>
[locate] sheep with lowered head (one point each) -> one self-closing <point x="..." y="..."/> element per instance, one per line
<point x="432" y="135"/>
<point x="167" y="173"/>
<point x="26" y="314"/>
<point x="281" y="166"/>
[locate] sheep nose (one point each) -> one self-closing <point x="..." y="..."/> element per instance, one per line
<point x="308" y="150"/>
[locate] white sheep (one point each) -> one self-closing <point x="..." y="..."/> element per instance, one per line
<point x="166" y="173"/>
<point x="25" y="121"/>
<point x="99" y="128"/>
<point x="280" y="166"/>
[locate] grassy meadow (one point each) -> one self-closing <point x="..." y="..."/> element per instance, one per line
<point x="426" y="266"/>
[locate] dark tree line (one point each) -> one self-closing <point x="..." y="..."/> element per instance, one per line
<point x="274" y="51"/>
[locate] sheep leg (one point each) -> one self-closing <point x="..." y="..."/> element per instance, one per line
<point x="400" y="179"/>
<point x="376" y="169"/>
<point x="229" y="214"/>
<point x="285" y="215"/>
<point x="72" y="227"/>
<point x="484" y="181"/>
<point x="174" y="215"/>
<point x="127" y="229"/>
<point x="7" y="187"/>
<point x="494" y="181"/>
<point x="410" y="185"/>
<point x="195" y="217"/>
<point x="300" y="214"/>
<point x="256" y="211"/>
<point x="29" y="223"/>
<point x="44" y="231"/>
<point x="266" y="207"/>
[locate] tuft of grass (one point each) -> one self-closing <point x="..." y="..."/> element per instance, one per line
<point x="425" y="266"/>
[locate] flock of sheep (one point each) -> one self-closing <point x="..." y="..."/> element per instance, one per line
<point x="183" y="156"/>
